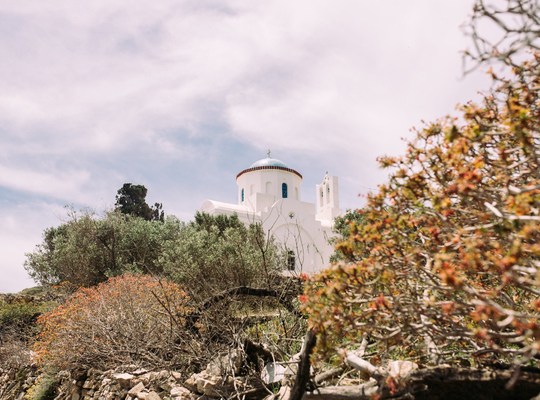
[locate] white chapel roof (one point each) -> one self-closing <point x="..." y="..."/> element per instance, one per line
<point x="268" y="163"/>
<point x="210" y="206"/>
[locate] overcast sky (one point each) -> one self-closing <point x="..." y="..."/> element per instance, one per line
<point x="181" y="95"/>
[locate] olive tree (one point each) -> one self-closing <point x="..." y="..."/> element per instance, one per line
<point x="87" y="249"/>
<point x="215" y="253"/>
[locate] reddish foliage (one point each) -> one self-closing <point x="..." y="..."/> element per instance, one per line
<point x="445" y="263"/>
<point x="130" y="319"/>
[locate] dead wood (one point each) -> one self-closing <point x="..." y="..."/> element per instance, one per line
<point x="324" y="376"/>
<point x="302" y="376"/>
<point x="478" y="384"/>
<point x="357" y="392"/>
<point x="444" y="383"/>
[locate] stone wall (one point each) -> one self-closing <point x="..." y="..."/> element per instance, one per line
<point x="93" y="384"/>
<point x="221" y="379"/>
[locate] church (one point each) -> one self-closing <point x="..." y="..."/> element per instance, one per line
<point x="269" y="194"/>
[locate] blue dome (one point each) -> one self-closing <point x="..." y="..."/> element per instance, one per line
<point x="268" y="162"/>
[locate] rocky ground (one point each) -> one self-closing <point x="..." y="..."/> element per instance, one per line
<point x="235" y="375"/>
<point x="226" y="377"/>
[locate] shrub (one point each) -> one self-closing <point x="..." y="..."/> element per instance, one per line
<point x="14" y="352"/>
<point x="44" y="388"/>
<point x="216" y="253"/>
<point x="445" y="261"/>
<point x="130" y="319"/>
<point x="87" y="249"/>
<point x="18" y="315"/>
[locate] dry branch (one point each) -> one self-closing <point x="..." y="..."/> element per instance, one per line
<point x="302" y="376"/>
<point x="359" y="392"/>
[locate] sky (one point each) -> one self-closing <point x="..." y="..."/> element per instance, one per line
<point x="181" y="95"/>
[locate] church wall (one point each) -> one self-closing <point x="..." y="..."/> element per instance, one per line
<point x="266" y="182"/>
<point x="299" y="227"/>
<point x="293" y="224"/>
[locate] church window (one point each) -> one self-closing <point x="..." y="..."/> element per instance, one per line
<point x="291" y="260"/>
<point x="328" y="192"/>
<point x="242" y="195"/>
<point x="284" y="190"/>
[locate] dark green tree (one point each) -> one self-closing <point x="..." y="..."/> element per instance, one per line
<point x="342" y="227"/>
<point x="131" y="200"/>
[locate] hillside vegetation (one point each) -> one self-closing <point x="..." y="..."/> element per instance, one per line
<point x="434" y="290"/>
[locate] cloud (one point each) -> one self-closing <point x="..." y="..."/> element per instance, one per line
<point x="181" y="95"/>
<point x="59" y="184"/>
<point x="108" y="75"/>
<point x="358" y="75"/>
<point x="18" y="232"/>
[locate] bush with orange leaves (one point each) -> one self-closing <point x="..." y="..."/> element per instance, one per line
<point x="444" y="265"/>
<point x="128" y="320"/>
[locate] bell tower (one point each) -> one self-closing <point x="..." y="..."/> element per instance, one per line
<point x="327" y="195"/>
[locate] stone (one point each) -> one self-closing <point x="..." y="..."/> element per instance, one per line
<point x="153" y="396"/>
<point x="163" y="375"/>
<point x="273" y="373"/>
<point x="88" y="384"/>
<point x="228" y="364"/>
<point x="176" y="375"/>
<point x="135" y="390"/>
<point x="180" y="391"/>
<point x="147" y="377"/>
<point x="284" y="392"/>
<point x="401" y="369"/>
<point x="204" y="383"/>
<point x="213" y="385"/>
<point x="123" y="378"/>
<point x="140" y="371"/>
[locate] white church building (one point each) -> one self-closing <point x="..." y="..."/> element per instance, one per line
<point x="269" y="194"/>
